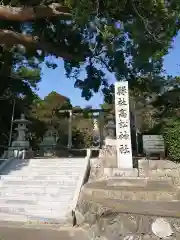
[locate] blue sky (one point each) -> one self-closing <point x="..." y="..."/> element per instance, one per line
<point x="55" y="80"/>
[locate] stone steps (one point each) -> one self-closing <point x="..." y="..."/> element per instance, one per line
<point x="36" y="195"/>
<point x="32" y="203"/>
<point x="13" y="217"/>
<point x="58" y="168"/>
<point x="38" y="209"/>
<point x="21" y="218"/>
<point x="43" y="175"/>
<point x="45" y="171"/>
<point x="36" y="189"/>
<point x="56" y="164"/>
<point x="52" y="168"/>
<point x="56" y="161"/>
<point x="25" y="206"/>
<point x="40" y="188"/>
<point x="38" y="177"/>
<point x="34" y="211"/>
<point x="33" y="182"/>
<point x="48" y="198"/>
<point x="30" y="172"/>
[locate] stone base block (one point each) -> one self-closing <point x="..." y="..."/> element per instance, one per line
<point x="157" y="164"/>
<point x="118" y="172"/>
<point x="150" y="190"/>
<point x="108" y="151"/>
<point x="139" y="182"/>
<point x="174" y="173"/>
<point x="130" y="181"/>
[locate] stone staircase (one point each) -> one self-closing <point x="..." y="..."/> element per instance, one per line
<point x="41" y="189"/>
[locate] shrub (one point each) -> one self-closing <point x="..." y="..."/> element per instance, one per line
<point x="171" y="132"/>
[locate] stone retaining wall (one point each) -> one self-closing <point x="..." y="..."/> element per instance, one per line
<point x="105" y="224"/>
<point x="161" y="169"/>
<point x="98" y="165"/>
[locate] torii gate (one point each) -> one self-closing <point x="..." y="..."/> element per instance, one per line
<point x="101" y="117"/>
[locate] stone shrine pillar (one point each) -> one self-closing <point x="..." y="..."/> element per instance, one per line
<point x="21" y="144"/>
<point x="123" y="131"/>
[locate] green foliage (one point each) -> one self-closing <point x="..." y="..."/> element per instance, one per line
<point x="81" y="138"/>
<point x="19" y="75"/>
<point x="158" y="113"/>
<point x="83" y="126"/>
<point x="47" y="113"/>
<point x="172" y="138"/>
<point x="129" y="40"/>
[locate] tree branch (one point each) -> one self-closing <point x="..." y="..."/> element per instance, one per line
<point x="31" y="13"/>
<point x="10" y="38"/>
<point x="145" y="22"/>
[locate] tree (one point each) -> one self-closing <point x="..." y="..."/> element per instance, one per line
<point x="47" y="108"/>
<point x="45" y="114"/>
<point x="129" y="40"/>
<point x="19" y="75"/>
<point x="83" y="127"/>
<point x="157" y="112"/>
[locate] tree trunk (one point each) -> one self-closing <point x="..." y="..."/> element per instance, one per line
<point x="11" y="38"/>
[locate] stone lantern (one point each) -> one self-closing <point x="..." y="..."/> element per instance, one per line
<point x="49" y="143"/>
<point x="110" y="139"/>
<point x="111" y="129"/>
<point x="21" y="144"/>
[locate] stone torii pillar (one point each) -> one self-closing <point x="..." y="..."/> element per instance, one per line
<point x="101" y="128"/>
<point x="70" y="130"/>
<point x="69" y="145"/>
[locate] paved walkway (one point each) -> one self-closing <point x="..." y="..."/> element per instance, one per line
<point x="17" y="233"/>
